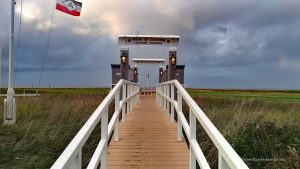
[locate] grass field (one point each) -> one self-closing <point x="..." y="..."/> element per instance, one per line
<point x="269" y="95"/>
<point x="262" y="126"/>
<point x="46" y="125"/>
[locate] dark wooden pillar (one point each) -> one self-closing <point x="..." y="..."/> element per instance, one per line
<point x="124" y="63"/>
<point x="135" y="74"/>
<point x="180" y="73"/>
<point x="115" y="74"/>
<point x="172" y="63"/>
<point x="161" y="75"/>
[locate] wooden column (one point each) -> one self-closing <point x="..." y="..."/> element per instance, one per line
<point x="160" y="75"/>
<point x="172" y="63"/>
<point x="115" y="74"/>
<point x="124" y="63"/>
<point x="165" y="74"/>
<point x="135" y="74"/>
<point x="180" y="73"/>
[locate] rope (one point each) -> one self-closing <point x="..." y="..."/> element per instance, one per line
<point x="47" y="46"/>
<point x="18" y="44"/>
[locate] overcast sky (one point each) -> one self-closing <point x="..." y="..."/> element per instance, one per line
<point x="224" y="44"/>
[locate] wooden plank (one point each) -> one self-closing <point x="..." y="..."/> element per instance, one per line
<point x="148" y="162"/>
<point x="148" y="140"/>
<point x="147" y="167"/>
<point x="169" y="158"/>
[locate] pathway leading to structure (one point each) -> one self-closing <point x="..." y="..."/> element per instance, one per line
<point x="148" y="140"/>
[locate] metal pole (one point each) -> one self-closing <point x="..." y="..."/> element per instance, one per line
<point x="10" y="106"/>
<point x="0" y="67"/>
<point x="11" y="46"/>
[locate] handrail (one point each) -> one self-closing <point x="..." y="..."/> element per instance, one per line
<point x="228" y="158"/>
<point x="71" y="157"/>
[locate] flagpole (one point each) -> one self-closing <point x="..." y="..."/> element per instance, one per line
<point x="0" y="67"/>
<point x="10" y="106"/>
<point x="11" y="47"/>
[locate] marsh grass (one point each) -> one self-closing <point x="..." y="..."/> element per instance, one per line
<point x="266" y="134"/>
<point x="46" y="125"/>
<point x="256" y="126"/>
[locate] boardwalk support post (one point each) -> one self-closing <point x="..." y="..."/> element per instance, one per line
<point x="168" y="103"/>
<point x="172" y="106"/>
<point x="117" y="107"/>
<point x="193" y="129"/>
<point x="132" y="100"/>
<point x="123" y="106"/>
<point x="128" y="101"/>
<point x="165" y="101"/>
<point x="104" y="123"/>
<point x="179" y="132"/>
<point x="77" y="162"/>
<point x="221" y="162"/>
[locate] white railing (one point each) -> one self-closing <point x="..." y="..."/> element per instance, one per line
<point x="227" y="157"/>
<point x="72" y="155"/>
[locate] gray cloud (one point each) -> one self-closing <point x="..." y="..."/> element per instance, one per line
<point x="232" y="44"/>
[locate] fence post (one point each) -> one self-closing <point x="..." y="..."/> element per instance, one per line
<point x="104" y="127"/>
<point x="161" y="96"/>
<point x="172" y="106"/>
<point x="117" y="107"/>
<point x="77" y="161"/>
<point x="128" y="101"/>
<point x="221" y="162"/>
<point x="131" y="100"/>
<point x="193" y="129"/>
<point x="168" y="103"/>
<point x="179" y="102"/>
<point x="124" y="104"/>
<point x="160" y="90"/>
<point x="164" y="94"/>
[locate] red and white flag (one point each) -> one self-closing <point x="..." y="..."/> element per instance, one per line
<point x="71" y="7"/>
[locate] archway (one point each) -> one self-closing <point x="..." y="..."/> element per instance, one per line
<point x="125" y="71"/>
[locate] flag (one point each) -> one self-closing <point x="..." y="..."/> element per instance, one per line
<point x="71" y="7"/>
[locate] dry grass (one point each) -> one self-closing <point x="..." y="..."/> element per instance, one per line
<point x="45" y="126"/>
<point x="257" y="129"/>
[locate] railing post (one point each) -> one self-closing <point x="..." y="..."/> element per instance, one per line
<point x="161" y="96"/>
<point x="168" y="103"/>
<point x="172" y="106"/>
<point x="160" y="89"/>
<point x="164" y="94"/>
<point x="128" y="101"/>
<point x="117" y="107"/>
<point x="193" y="129"/>
<point x="124" y="104"/>
<point x="131" y="100"/>
<point x="179" y="102"/>
<point x="221" y="162"/>
<point x="138" y="93"/>
<point x="104" y="128"/>
<point x="78" y="161"/>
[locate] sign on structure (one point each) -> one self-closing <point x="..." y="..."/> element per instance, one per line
<point x="164" y="40"/>
<point x="144" y="60"/>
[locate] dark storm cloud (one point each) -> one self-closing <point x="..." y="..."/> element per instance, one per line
<point x="232" y="44"/>
<point x="221" y="29"/>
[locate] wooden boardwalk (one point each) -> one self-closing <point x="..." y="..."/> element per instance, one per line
<point x="148" y="140"/>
